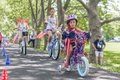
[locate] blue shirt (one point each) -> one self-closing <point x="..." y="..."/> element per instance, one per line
<point x="99" y="44"/>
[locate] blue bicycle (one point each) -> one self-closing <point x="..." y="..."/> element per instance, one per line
<point x="54" y="46"/>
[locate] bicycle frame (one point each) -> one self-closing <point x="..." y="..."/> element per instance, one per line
<point x="54" y="48"/>
<point x="77" y="61"/>
<point x="23" y="39"/>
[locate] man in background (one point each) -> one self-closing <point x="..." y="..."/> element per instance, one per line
<point x="98" y="46"/>
<point x="32" y="38"/>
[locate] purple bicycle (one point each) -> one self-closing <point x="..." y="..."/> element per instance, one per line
<point x="78" y="61"/>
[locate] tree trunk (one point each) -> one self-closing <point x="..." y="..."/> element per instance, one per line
<point x="43" y="15"/>
<point x="36" y="11"/>
<point x="94" y="23"/>
<point x="94" y="27"/>
<point x="49" y="6"/>
<point x="45" y="38"/>
<point x="64" y="11"/>
<point x="60" y="12"/>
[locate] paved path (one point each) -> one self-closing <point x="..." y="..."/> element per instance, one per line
<point x="37" y="66"/>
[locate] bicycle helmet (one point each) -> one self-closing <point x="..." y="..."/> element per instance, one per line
<point x="71" y="17"/>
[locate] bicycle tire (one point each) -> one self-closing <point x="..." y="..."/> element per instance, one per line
<point x="86" y="66"/>
<point x="49" y="51"/>
<point x="55" y="54"/>
<point x="20" y="49"/>
<point x="24" y="47"/>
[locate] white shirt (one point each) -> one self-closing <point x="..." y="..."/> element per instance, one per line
<point x="51" y="22"/>
<point x="33" y="35"/>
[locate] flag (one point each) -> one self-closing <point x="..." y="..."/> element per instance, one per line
<point x="41" y="35"/>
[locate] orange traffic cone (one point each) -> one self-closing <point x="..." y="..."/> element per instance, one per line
<point x="4" y="75"/>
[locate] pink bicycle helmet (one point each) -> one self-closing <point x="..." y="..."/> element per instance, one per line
<point x="71" y="17"/>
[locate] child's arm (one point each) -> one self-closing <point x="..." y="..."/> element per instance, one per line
<point x="46" y="20"/>
<point x="18" y="25"/>
<point x="94" y="46"/>
<point x="104" y="44"/>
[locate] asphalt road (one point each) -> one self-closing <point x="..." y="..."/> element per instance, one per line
<point x="37" y="66"/>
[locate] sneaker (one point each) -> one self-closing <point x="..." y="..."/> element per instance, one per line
<point x="66" y="65"/>
<point x="61" y="45"/>
<point x="68" y="69"/>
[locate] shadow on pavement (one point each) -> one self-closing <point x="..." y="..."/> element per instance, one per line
<point x="38" y="66"/>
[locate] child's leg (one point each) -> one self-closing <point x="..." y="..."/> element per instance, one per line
<point x="101" y="57"/>
<point x="20" y="37"/>
<point x="27" y="40"/>
<point x="59" y="35"/>
<point x="49" y="36"/>
<point x="68" y="56"/>
<point x="33" y="43"/>
<point x="96" y="57"/>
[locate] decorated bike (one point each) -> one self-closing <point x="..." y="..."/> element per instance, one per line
<point x="77" y="61"/>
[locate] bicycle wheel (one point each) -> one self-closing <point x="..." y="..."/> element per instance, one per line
<point x="83" y="67"/>
<point x="49" y="50"/>
<point x="20" y="49"/>
<point x="56" y="50"/>
<point x="24" y="47"/>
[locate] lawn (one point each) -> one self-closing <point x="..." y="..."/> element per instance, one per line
<point x="111" y="57"/>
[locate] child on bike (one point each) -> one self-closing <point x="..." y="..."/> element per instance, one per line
<point x="71" y="23"/>
<point x="70" y="36"/>
<point x="23" y="30"/>
<point x="51" y="21"/>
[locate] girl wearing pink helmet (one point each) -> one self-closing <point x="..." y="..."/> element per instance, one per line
<point x="70" y="33"/>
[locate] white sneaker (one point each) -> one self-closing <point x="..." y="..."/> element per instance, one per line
<point x="61" y="45"/>
<point x="68" y="68"/>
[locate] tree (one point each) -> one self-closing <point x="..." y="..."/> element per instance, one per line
<point x="61" y="11"/>
<point x="95" y="24"/>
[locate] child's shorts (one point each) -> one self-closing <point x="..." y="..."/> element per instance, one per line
<point x="99" y="53"/>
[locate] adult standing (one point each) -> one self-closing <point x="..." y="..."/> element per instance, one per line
<point x="32" y="38"/>
<point x="99" y="45"/>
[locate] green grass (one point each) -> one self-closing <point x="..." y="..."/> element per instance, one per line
<point x="111" y="61"/>
<point x="111" y="57"/>
<point x="113" y="47"/>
